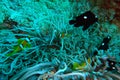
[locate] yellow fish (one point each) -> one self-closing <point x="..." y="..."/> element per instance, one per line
<point x="77" y="66"/>
<point x="22" y="44"/>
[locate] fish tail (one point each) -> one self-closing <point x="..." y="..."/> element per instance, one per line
<point x="10" y="54"/>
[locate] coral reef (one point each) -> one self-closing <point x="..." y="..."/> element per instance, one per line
<point x="38" y="43"/>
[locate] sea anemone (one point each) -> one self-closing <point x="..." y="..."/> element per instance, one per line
<point x="37" y="42"/>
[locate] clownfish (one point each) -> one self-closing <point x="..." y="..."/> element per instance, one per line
<point x="86" y="19"/>
<point x="21" y="45"/>
<point x="81" y="66"/>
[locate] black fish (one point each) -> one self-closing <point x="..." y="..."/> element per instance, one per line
<point x="86" y="19"/>
<point x="111" y="65"/>
<point x="104" y="45"/>
<point x="107" y="63"/>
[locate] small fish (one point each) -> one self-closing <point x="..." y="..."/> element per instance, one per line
<point x="111" y="65"/>
<point x="104" y="45"/>
<point x="77" y="66"/>
<point x="9" y="23"/>
<point x="86" y="19"/>
<point x="22" y="44"/>
<point x="107" y="64"/>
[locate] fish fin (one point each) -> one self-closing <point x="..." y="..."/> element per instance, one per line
<point x="85" y="27"/>
<point x="75" y="65"/>
<point x="71" y="22"/>
<point x="77" y="25"/>
<point x="16" y="49"/>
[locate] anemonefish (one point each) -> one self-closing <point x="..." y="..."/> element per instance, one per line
<point x="86" y="19"/>
<point x="21" y="45"/>
<point x="81" y="66"/>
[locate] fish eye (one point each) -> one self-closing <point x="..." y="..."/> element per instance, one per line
<point x="96" y="17"/>
<point x="103" y="44"/>
<point x="109" y="37"/>
<point x="113" y="67"/>
<point x="112" y="63"/>
<point x="85" y="17"/>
